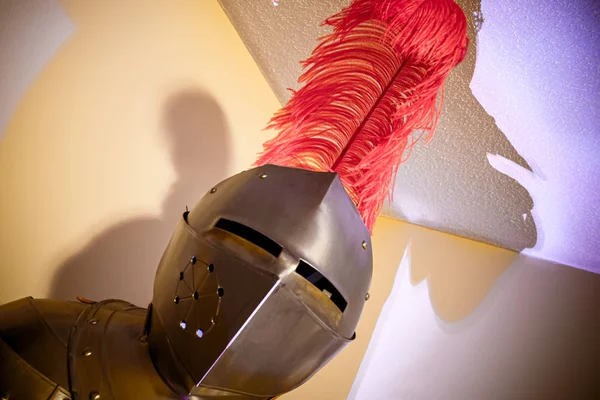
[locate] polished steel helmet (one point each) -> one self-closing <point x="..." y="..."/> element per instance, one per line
<point x="262" y="283"/>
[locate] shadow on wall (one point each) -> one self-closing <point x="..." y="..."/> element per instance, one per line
<point x="523" y="342"/>
<point x="121" y="261"/>
<point x="461" y="192"/>
<point x="460" y="273"/>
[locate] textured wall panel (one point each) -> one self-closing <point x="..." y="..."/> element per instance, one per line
<point x="472" y="179"/>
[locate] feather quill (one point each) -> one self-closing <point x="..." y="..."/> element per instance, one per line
<point x="371" y="89"/>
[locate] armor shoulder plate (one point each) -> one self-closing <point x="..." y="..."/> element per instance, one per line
<point x="38" y="332"/>
<point x="19" y="380"/>
<point x="109" y="358"/>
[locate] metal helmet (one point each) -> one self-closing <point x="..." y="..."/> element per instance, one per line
<point x="262" y="283"/>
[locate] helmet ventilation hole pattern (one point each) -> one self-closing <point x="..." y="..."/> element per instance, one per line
<point x="197" y="298"/>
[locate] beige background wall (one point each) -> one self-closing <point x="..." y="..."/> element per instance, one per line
<point x="139" y="111"/>
<point x="30" y="33"/>
<point x="136" y="114"/>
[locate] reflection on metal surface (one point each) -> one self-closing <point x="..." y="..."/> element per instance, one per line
<point x="258" y="369"/>
<point x="273" y="285"/>
<point x="447" y="184"/>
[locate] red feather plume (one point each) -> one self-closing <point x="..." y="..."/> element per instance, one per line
<point x="370" y="91"/>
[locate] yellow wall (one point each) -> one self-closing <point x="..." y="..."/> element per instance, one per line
<point x="90" y="144"/>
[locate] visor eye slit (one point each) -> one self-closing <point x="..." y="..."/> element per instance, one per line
<point x="318" y="280"/>
<point x="247" y="233"/>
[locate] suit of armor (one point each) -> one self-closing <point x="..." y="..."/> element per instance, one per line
<point x="262" y="283"/>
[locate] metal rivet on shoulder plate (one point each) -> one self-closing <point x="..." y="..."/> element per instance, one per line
<point x="364" y="245"/>
<point x="94" y="396"/>
<point x="213" y="190"/>
<point x="87" y="352"/>
<point x="93" y="321"/>
<point x="262" y="176"/>
<point x="367" y="296"/>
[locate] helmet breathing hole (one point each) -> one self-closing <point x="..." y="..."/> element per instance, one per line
<point x="220" y="292"/>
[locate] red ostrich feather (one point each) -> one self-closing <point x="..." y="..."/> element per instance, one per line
<point x="372" y="88"/>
